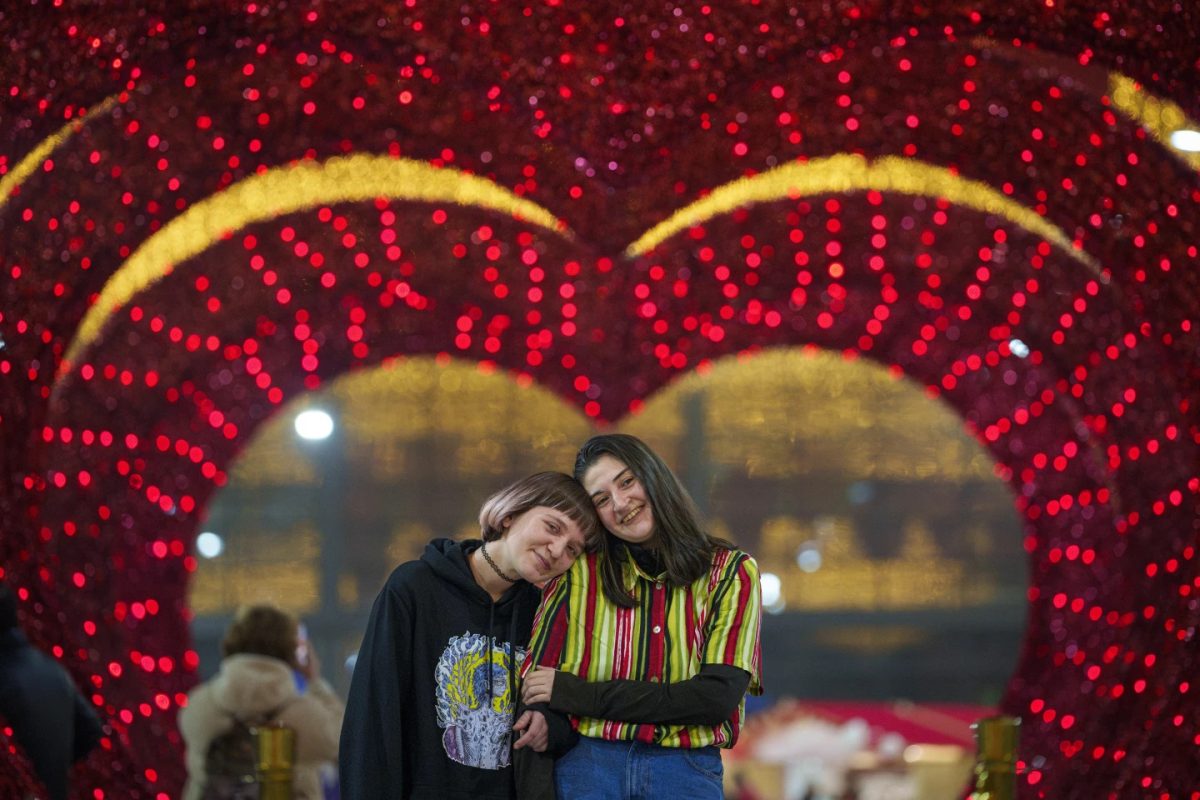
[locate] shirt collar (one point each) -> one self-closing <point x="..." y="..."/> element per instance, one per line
<point x="644" y="562"/>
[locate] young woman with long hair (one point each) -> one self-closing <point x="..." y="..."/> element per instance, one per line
<point x="652" y="642"/>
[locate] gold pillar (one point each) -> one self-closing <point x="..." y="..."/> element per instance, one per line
<point x="276" y="760"/>
<point x="996" y="758"/>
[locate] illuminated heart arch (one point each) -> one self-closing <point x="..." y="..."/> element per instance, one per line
<point x="900" y="193"/>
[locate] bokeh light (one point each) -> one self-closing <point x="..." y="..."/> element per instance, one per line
<point x="209" y="544"/>
<point x="772" y="592"/>
<point x="1186" y="139"/>
<point x="313" y="424"/>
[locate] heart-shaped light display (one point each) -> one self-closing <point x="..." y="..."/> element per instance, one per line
<point x="603" y="199"/>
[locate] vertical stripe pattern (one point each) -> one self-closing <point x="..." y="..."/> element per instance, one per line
<point x="666" y="637"/>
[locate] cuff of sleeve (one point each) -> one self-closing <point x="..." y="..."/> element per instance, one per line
<point x="572" y="694"/>
<point x="560" y="735"/>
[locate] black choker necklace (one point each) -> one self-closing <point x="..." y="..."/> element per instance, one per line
<point x="496" y="569"/>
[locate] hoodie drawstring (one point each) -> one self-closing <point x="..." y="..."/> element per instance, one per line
<point x="490" y="643"/>
<point x="512" y="652"/>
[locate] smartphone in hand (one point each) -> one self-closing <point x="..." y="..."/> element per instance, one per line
<point x="302" y="646"/>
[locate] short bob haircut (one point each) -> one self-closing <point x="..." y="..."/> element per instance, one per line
<point x="262" y="630"/>
<point x="681" y="543"/>
<point x="550" y="489"/>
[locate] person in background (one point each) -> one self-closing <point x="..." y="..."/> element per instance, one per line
<point x="651" y="643"/>
<point x="54" y="724"/>
<point x="257" y="683"/>
<point x="434" y="694"/>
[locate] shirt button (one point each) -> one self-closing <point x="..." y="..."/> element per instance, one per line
<point x="658" y="629"/>
<point x="654" y="680"/>
<point x="658" y="585"/>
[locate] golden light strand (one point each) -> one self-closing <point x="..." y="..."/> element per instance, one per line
<point x="284" y="190"/>
<point x="846" y="173"/>
<point x="38" y="155"/>
<point x="1159" y="117"/>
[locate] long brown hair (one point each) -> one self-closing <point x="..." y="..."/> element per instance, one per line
<point x="685" y="548"/>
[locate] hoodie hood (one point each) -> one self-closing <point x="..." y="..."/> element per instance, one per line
<point x="448" y="560"/>
<point x="253" y="685"/>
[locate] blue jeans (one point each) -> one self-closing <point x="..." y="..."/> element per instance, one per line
<point x="596" y="769"/>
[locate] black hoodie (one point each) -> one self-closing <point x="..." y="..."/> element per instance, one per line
<point x="431" y="704"/>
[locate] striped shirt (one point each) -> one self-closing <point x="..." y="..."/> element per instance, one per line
<point x="666" y="637"/>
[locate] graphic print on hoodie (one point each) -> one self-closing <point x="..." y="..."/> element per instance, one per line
<point x="423" y="720"/>
<point x="475" y="701"/>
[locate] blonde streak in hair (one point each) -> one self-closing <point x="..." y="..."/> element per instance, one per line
<point x="484" y="513"/>
<point x="490" y="514"/>
<point x="515" y="499"/>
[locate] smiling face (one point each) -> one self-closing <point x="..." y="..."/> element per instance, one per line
<point x="541" y="544"/>
<point x="620" y="499"/>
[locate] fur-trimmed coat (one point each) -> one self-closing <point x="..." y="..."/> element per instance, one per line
<point x="251" y="686"/>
